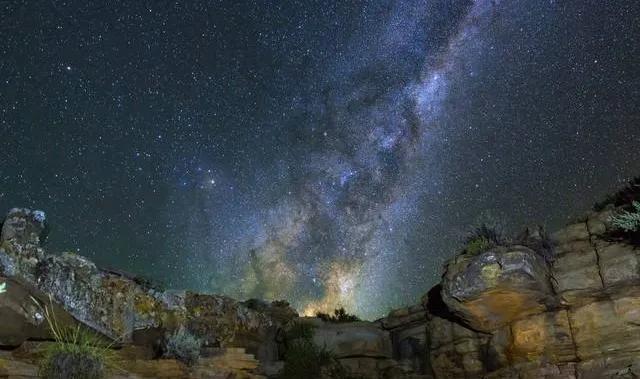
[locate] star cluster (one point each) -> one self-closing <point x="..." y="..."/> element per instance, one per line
<point x="327" y="153"/>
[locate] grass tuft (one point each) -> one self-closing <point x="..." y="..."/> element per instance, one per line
<point x="78" y="353"/>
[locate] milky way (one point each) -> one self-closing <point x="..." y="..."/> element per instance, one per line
<point x="330" y="154"/>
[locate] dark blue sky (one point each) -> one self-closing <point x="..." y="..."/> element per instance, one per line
<point x="326" y="153"/>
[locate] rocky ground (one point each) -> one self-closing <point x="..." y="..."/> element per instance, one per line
<point x="564" y="308"/>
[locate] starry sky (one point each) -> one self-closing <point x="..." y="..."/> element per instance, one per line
<point x="327" y="153"/>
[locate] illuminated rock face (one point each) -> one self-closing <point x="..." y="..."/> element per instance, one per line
<point x="574" y="316"/>
<point x="512" y="312"/>
<point x="498" y="286"/>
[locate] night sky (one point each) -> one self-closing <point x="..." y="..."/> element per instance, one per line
<point x="325" y="153"/>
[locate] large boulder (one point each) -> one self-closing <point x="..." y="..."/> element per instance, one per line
<point x="493" y="288"/>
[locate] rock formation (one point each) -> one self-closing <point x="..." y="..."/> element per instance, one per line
<point x="511" y="312"/>
<point x="567" y="307"/>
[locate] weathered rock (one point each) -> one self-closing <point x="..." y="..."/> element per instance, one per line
<point x="353" y="339"/>
<point x="218" y="319"/>
<point x="501" y="285"/>
<point x="115" y="304"/>
<point x="21" y="313"/>
<point x="408" y="330"/>
<point x="20" y="249"/>
<point x="455" y="351"/>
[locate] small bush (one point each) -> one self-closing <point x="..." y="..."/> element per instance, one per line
<point x="483" y="238"/>
<point x="76" y="354"/>
<point x="478" y="245"/>
<point x="628" y="221"/>
<point x="303" y="359"/>
<point x="183" y="346"/>
<point x="339" y="316"/>
<point x="62" y="363"/>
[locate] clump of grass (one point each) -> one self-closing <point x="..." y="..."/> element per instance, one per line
<point x="77" y="353"/>
<point x="483" y="238"/>
<point x="339" y="315"/>
<point x="183" y="346"/>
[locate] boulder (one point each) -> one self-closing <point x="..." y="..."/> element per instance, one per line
<point x="493" y="288"/>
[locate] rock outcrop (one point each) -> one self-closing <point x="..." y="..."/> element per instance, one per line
<point x="563" y="307"/>
<point x="516" y="312"/>
<point x="116" y="305"/>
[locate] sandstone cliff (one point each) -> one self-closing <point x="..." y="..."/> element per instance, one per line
<point x="513" y="312"/>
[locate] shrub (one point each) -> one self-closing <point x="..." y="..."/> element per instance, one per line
<point x="491" y="233"/>
<point x="304" y="359"/>
<point x="339" y="316"/>
<point x="483" y="238"/>
<point x="478" y="245"/>
<point x="62" y="363"/>
<point x="183" y="346"/>
<point x="76" y="354"/>
<point x="628" y="221"/>
<point x="3" y="287"/>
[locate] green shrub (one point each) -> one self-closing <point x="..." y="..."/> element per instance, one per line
<point x="183" y="346"/>
<point x="61" y="363"/>
<point x="628" y="221"/>
<point x="478" y="245"/>
<point x="339" y="316"/>
<point x="77" y="353"/>
<point x="483" y="238"/>
<point x="304" y="359"/>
